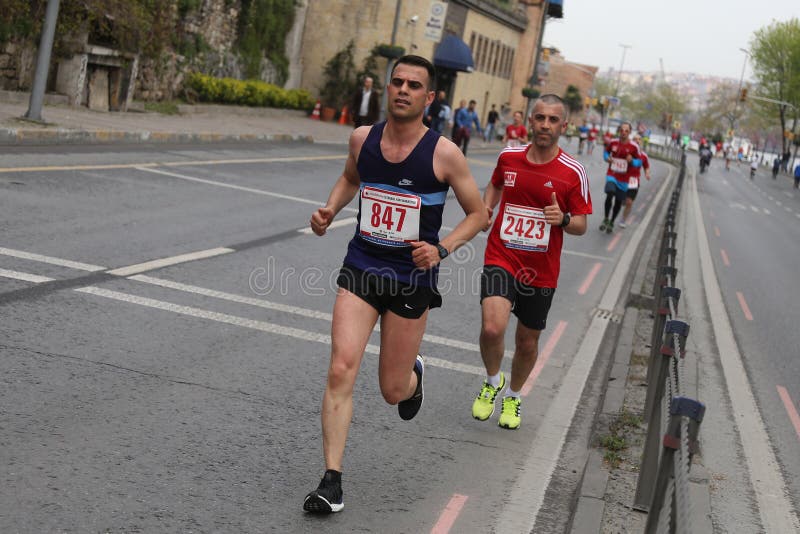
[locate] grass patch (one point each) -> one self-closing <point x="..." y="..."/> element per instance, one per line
<point x="165" y="108"/>
<point x="616" y="441"/>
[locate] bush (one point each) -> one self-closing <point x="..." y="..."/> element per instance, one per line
<point x="252" y="93"/>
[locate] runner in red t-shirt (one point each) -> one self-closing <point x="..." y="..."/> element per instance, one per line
<point x="516" y="133"/>
<point x="593" y="131"/>
<point x="622" y="156"/>
<point x="542" y="192"/>
<point x="633" y="182"/>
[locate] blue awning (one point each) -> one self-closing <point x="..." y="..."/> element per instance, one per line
<point x="453" y="53"/>
<point x="555" y="9"/>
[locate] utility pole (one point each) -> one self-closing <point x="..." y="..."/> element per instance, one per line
<point x="621" y="63"/>
<point x="385" y="97"/>
<point x="43" y="62"/>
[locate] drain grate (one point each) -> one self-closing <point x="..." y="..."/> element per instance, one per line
<point x="608" y="315"/>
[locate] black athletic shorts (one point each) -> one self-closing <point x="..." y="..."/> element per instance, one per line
<point x="632" y="193"/>
<point x="529" y="303"/>
<point x="383" y="293"/>
<point x="611" y="188"/>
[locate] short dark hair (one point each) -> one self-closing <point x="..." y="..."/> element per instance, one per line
<point x="550" y="98"/>
<point x="418" y="61"/>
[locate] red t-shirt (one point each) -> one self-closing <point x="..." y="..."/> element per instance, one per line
<point x="636" y="172"/>
<point x="519" y="240"/>
<point x="517" y="132"/>
<point x="618" y="165"/>
<point x="593" y="134"/>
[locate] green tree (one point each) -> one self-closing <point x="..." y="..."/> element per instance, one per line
<point x="263" y="26"/>
<point x="339" y="77"/>
<point x="722" y="110"/>
<point x="775" y="52"/>
<point x="573" y="99"/>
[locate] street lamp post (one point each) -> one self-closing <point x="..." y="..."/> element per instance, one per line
<point x="621" y="63"/>
<point x="43" y="62"/>
<point x="737" y="97"/>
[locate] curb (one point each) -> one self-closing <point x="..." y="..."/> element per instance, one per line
<point x="33" y="136"/>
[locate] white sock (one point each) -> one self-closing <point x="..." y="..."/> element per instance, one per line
<point x="493" y="381"/>
<point x="511" y="393"/>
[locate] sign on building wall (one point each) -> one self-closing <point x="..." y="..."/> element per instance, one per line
<point x="435" y="23"/>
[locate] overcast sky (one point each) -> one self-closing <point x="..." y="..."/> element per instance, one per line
<point x="699" y="36"/>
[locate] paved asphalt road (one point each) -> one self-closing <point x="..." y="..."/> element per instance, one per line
<point x="184" y="395"/>
<point x="753" y="231"/>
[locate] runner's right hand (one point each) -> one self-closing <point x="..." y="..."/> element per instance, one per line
<point x="320" y="220"/>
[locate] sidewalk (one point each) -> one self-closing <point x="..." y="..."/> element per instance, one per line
<point x="200" y="123"/>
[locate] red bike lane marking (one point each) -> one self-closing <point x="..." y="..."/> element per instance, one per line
<point x="450" y="514"/>
<point x="745" y="307"/>
<point x="794" y="417"/>
<point x="589" y="278"/>
<point x="614" y="242"/>
<point x="725" y="259"/>
<point x="544" y="355"/>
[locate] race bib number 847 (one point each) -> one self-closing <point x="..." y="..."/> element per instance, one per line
<point x="389" y="218"/>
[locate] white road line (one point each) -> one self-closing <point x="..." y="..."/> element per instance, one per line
<point x="248" y="323"/>
<point x="262" y="326"/>
<point x="770" y="488"/>
<point x="334" y="224"/>
<point x="767" y="212"/>
<point x="49" y="259"/>
<point x="26" y="277"/>
<point x="174" y="260"/>
<point x="166" y="164"/>
<point x="285" y="308"/>
<point x="260" y="303"/>
<point x="755" y="209"/>
<point x="526" y="497"/>
<point x="132" y="272"/>
<point x="236" y="187"/>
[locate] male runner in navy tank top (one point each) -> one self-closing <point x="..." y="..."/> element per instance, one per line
<point x="401" y="171"/>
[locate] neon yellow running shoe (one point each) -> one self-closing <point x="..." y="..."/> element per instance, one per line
<point x="509" y="417"/>
<point x="483" y="406"/>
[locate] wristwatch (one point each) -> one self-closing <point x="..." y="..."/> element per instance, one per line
<point x="442" y="251"/>
<point x="565" y="221"/>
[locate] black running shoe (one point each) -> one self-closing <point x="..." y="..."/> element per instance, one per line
<point x="409" y="407"/>
<point x="327" y="497"/>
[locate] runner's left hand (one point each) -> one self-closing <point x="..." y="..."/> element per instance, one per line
<point x="425" y="255"/>
<point x="552" y="213"/>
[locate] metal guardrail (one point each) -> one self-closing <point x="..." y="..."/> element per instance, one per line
<point x="673" y="420"/>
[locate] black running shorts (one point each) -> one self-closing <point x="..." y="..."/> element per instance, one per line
<point x="632" y="193"/>
<point x="530" y="304"/>
<point x="383" y="293"/>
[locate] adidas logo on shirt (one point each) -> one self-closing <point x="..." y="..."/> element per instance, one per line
<point x="548" y="183"/>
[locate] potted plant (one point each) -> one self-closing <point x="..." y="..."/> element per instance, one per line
<point x="389" y="51"/>
<point x="530" y="92"/>
<point x="338" y="82"/>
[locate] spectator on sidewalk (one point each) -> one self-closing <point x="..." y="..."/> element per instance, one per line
<point x="365" y="106"/>
<point x="436" y="112"/>
<point x="491" y="120"/>
<point x="797" y="176"/>
<point x="465" y="119"/>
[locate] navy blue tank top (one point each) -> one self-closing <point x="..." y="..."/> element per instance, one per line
<point x="398" y="203"/>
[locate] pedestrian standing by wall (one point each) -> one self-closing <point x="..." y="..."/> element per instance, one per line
<point x="401" y="171"/>
<point x="465" y="119"/>
<point x="491" y="121"/>
<point x="542" y="193"/>
<point x="365" y="106"/>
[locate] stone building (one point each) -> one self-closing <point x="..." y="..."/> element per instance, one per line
<point x="501" y="42"/>
<point x="563" y="73"/>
